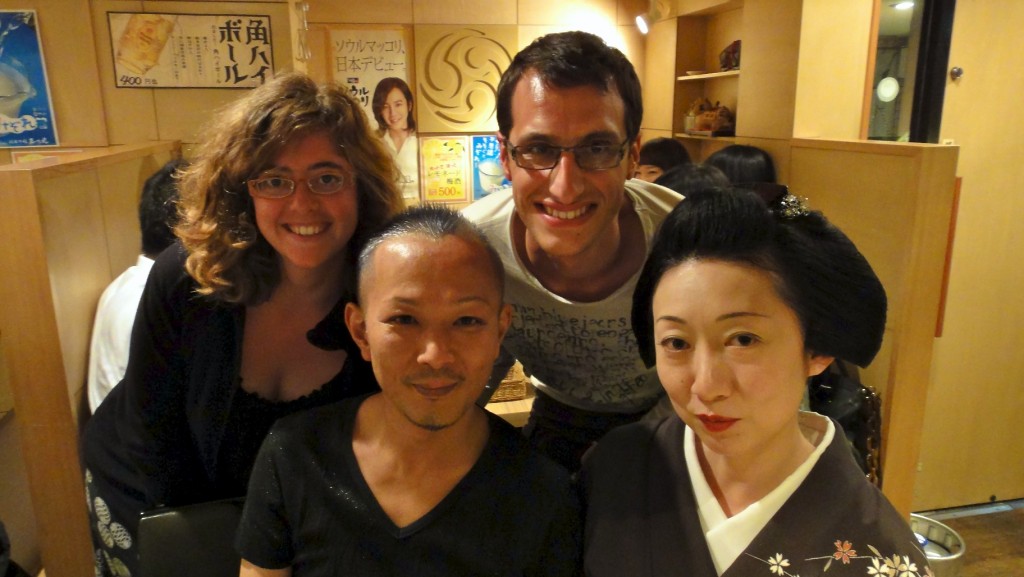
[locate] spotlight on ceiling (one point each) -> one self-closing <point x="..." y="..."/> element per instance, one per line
<point x="641" y="23"/>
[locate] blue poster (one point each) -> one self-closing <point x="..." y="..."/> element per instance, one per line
<point x="26" y="112"/>
<point x="488" y="175"/>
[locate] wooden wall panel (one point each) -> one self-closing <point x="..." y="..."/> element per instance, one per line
<point x="576" y="14"/>
<point x="72" y="223"/>
<point x="376" y="12"/>
<point x="465" y="12"/>
<point x="768" y="75"/>
<point x="55" y="229"/>
<point x="971" y="449"/>
<point x="704" y="6"/>
<point x="120" y="205"/>
<point x="834" y="45"/>
<point x="658" y="79"/>
<point x="39" y="383"/>
<point x="894" y="201"/>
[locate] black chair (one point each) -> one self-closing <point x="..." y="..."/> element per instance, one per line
<point x="195" y="540"/>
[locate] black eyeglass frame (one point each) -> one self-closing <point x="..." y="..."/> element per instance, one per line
<point x="513" y="152"/>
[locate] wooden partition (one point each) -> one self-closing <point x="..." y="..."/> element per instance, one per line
<point x="894" y="200"/>
<point x="69" y="227"/>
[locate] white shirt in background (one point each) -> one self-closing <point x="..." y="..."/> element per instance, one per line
<point x="112" y="330"/>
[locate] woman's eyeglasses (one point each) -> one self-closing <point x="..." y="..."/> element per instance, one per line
<point x="279" y="187"/>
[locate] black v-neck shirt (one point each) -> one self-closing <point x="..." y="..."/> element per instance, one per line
<point x="309" y="507"/>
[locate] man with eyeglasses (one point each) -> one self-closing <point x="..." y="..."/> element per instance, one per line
<point x="573" y="235"/>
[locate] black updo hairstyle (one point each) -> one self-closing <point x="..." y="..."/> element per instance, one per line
<point x="816" y="269"/>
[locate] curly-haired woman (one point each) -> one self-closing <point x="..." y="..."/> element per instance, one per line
<point x="240" y="322"/>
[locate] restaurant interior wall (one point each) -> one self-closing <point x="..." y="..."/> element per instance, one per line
<point x="91" y="113"/>
<point x="971" y="448"/>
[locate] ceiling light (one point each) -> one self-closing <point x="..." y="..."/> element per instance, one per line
<point x="641" y="23"/>
<point x="903" y="5"/>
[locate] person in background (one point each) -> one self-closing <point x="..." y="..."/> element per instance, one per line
<point x="416" y="479"/>
<point x="573" y="234"/>
<point x="115" y="314"/>
<point x="241" y="322"/>
<point x="688" y="179"/>
<point x="658" y="155"/>
<point x="744" y="164"/>
<point x="392" y="108"/>
<point x="737" y="306"/>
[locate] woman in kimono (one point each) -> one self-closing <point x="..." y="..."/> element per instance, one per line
<point x="738" y="304"/>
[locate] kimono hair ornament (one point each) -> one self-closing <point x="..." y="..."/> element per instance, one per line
<point x="790" y="206"/>
<point x="778" y="198"/>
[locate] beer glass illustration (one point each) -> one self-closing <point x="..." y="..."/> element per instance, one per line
<point x="491" y="175"/>
<point x="142" y="41"/>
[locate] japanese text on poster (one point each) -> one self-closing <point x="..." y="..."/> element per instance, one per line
<point x="488" y="174"/>
<point x="26" y="111"/>
<point x="190" y="51"/>
<point x="362" y="57"/>
<point x="443" y="162"/>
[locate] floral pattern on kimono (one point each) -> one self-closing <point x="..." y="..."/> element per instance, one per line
<point x="642" y="518"/>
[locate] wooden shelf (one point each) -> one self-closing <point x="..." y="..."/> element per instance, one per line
<point x="709" y="75"/>
<point x="701" y="137"/>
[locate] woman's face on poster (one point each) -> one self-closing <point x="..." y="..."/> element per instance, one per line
<point x="396" y="110"/>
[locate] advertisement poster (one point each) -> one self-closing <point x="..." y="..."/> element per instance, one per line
<point x="190" y="50"/>
<point x="360" y="57"/>
<point x="443" y="161"/>
<point x="26" y="111"/>
<point x="488" y="175"/>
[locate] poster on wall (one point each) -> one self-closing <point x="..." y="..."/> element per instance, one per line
<point x="443" y="161"/>
<point x="361" y="56"/>
<point x="488" y="174"/>
<point x="26" y="110"/>
<point x="373" y="63"/>
<point x="153" y="50"/>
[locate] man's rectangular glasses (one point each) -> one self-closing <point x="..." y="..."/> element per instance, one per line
<point x="279" y="187"/>
<point x="591" y="156"/>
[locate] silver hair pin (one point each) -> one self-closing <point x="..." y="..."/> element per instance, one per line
<point x="790" y="206"/>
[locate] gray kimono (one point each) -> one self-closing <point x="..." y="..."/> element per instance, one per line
<point x="642" y="518"/>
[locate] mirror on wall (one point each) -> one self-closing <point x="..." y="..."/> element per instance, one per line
<point x="909" y="80"/>
<point x="899" y="33"/>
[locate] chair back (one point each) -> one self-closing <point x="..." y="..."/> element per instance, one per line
<point x="195" y="540"/>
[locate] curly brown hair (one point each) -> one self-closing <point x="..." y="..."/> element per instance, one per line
<point x="227" y="256"/>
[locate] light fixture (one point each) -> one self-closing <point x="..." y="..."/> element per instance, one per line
<point x="903" y="5"/>
<point x="641" y="24"/>
<point x="656" y="10"/>
<point x="888" y="89"/>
